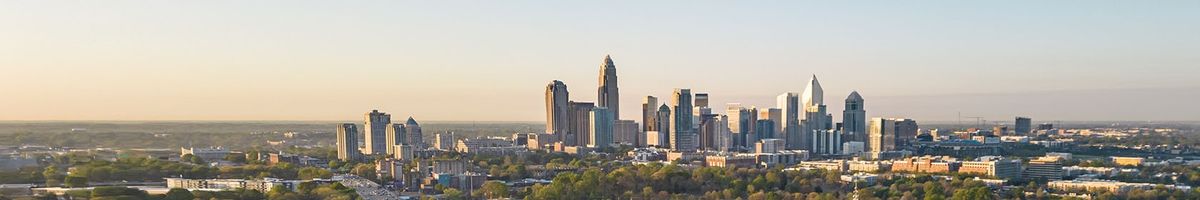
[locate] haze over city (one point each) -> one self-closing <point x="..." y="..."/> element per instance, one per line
<point x="490" y="61"/>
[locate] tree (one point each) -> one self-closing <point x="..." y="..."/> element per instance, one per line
<point x="236" y="158"/>
<point x="179" y="194"/>
<point x="74" y="181"/>
<point x="933" y="191"/>
<point x="494" y="189"/>
<point x="51" y="175"/>
<point x="453" y="194"/>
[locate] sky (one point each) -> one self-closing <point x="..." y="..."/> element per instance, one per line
<point x="491" y="60"/>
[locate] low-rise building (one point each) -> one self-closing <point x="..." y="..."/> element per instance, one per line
<point x="263" y="185"/>
<point x="831" y="165"/>
<point x="208" y="154"/>
<point x="1097" y="186"/>
<point x="868" y="166"/>
<point x="926" y="164"/>
<point x="736" y="161"/>
<point x="993" y="166"/>
<point x="1128" y="161"/>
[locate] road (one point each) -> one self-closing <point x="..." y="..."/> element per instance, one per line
<point x="367" y="189"/>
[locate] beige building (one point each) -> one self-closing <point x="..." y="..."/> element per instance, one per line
<point x="1128" y="161"/>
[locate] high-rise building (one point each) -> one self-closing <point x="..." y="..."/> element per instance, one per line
<point x="375" y="125"/>
<point x="557" y="108"/>
<point x="854" y="118"/>
<point x="580" y="124"/>
<point x="628" y="132"/>
<point x="724" y="137"/>
<point x="826" y="142"/>
<point x="816" y="118"/>
<point x="601" y="134"/>
<point x="607" y="95"/>
<point x="740" y="124"/>
<point x="1023" y="126"/>
<point x="775" y="116"/>
<point x="683" y="133"/>
<point x="395" y="135"/>
<point x="789" y="104"/>
<point x="709" y="132"/>
<point x="1045" y="126"/>
<point x="415" y="138"/>
<point x="765" y="128"/>
<point x="444" y="141"/>
<point x="882" y="135"/>
<point x="663" y="123"/>
<point x="347" y="142"/>
<point x="701" y="99"/>
<point x="906" y="132"/>
<point x="650" y="114"/>
<point x="1044" y="168"/>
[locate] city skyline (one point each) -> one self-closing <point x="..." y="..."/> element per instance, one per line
<point x="158" y="61"/>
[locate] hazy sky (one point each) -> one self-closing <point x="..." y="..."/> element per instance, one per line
<point x="491" y="60"/>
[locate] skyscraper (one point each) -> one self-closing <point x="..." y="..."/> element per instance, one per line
<point x="816" y="118"/>
<point x="557" y="107"/>
<point x="607" y="95"/>
<point x="415" y="137"/>
<point x="742" y="122"/>
<point x="765" y="128"/>
<point x="395" y="135"/>
<point x="906" y="132"/>
<point x="601" y="134"/>
<point x="708" y="132"/>
<point x="664" y="125"/>
<point x="347" y="142"/>
<point x="580" y="124"/>
<point x="627" y="132"/>
<point x="683" y="134"/>
<point x="854" y="118"/>
<point x="775" y="116"/>
<point x="650" y="114"/>
<point x="826" y="142"/>
<point x="882" y="133"/>
<point x="1023" y="125"/>
<point x="789" y="104"/>
<point x="376" y="124"/>
<point x="701" y="100"/>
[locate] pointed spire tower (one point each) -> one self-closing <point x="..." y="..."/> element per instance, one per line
<point x="813" y="94"/>
<point x="607" y="95"/>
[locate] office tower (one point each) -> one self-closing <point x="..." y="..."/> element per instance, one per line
<point x="1045" y="126"/>
<point x="415" y="137"/>
<point x="650" y="113"/>
<point x="1044" y="168"/>
<point x="664" y="120"/>
<point x="601" y="132"/>
<point x="701" y="99"/>
<point x="768" y="146"/>
<point x="656" y="139"/>
<point x="683" y="134"/>
<point x="775" y="116"/>
<point x="882" y="135"/>
<point x="376" y="124"/>
<point x="853" y="147"/>
<point x="628" y="132"/>
<point x="557" y="107"/>
<point x="580" y="124"/>
<point x="816" y="118"/>
<point x="789" y="104"/>
<point x="854" y="118"/>
<point x="826" y="142"/>
<point x="1023" y="125"/>
<point x="708" y="132"/>
<point x="347" y="142"/>
<point x="607" y="95"/>
<point x="906" y="132"/>
<point x="765" y="128"/>
<point x="697" y="113"/>
<point x="444" y="141"/>
<point x="395" y="135"/>
<point x="741" y="124"/>
<point x="724" y="137"/>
